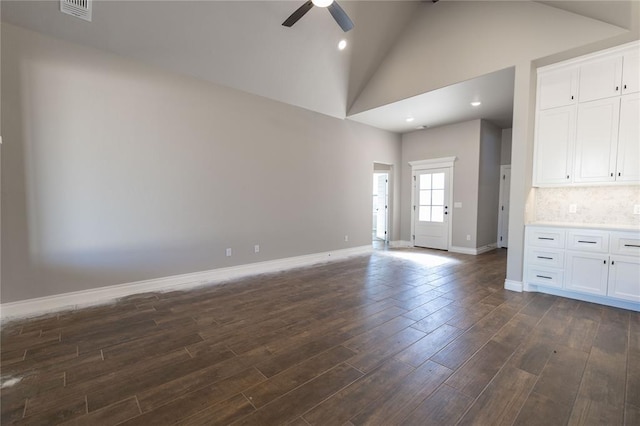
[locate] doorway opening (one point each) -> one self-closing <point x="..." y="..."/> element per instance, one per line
<point x="503" y="212"/>
<point x="380" y="205"/>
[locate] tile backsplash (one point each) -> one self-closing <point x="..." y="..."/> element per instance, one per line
<point x="595" y="205"/>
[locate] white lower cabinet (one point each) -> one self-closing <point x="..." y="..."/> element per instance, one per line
<point x="577" y="261"/>
<point x="624" y="278"/>
<point x="587" y="273"/>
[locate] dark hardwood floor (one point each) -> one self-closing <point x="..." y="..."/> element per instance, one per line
<point x="404" y="336"/>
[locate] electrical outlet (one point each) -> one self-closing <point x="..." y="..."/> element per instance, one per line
<point x="256" y="248"/>
<point x="346" y="238"/>
<point x="636" y="209"/>
<point x="573" y="208"/>
<point x="468" y="237"/>
<point x="228" y="252"/>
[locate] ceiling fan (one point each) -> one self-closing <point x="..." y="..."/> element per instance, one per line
<point x="334" y="8"/>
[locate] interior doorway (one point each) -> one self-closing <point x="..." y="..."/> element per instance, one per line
<point x="503" y="211"/>
<point x="380" y="218"/>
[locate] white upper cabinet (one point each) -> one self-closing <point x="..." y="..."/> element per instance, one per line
<point x="628" y="162"/>
<point x="555" y="134"/>
<point x="601" y="79"/>
<point x="631" y="72"/>
<point x="588" y="120"/>
<point x="596" y="141"/>
<point x="558" y="89"/>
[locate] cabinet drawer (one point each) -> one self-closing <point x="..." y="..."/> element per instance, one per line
<point x="545" y="277"/>
<point x="625" y="243"/>
<point x="547" y="238"/>
<point x="546" y="257"/>
<point x="589" y="241"/>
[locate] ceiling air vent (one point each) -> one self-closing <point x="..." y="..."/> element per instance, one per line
<point x="78" y="8"/>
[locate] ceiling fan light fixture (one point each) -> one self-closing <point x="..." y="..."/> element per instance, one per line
<point x="322" y="3"/>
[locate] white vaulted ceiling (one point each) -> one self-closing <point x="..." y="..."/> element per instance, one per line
<point x="241" y="44"/>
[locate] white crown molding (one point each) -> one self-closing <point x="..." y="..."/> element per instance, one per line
<point x="109" y="294"/>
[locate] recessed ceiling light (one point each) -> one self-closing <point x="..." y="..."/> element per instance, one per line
<point x="322" y="3"/>
<point x="342" y="44"/>
<point x="410" y="119"/>
<point x="476" y="103"/>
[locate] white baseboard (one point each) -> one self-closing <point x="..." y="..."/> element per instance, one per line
<point x="109" y="294"/>
<point x="632" y="306"/>
<point x="513" y="285"/>
<point x="472" y="251"/>
<point x="400" y="244"/>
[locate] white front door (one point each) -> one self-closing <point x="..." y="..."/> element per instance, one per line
<point x="431" y="208"/>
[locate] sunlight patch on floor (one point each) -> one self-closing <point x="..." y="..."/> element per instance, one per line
<point x="423" y="259"/>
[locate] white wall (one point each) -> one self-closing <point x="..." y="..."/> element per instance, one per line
<point x="462" y="141"/>
<point x="114" y="172"/>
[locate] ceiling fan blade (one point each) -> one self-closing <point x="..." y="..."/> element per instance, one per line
<point x="340" y="16"/>
<point x="299" y="13"/>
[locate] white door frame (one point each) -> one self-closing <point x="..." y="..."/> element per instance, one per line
<point x="503" y="170"/>
<point x="433" y="163"/>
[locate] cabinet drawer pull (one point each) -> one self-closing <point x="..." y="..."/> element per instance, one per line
<point x="546" y="238"/>
<point x="545" y="257"/>
<point x="632" y="245"/>
<point x="588" y="242"/>
<point x="542" y="276"/>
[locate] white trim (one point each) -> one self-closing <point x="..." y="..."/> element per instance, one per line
<point x="109" y="294"/>
<point x="513" y="285"/>
<point x="400" y="244"/>
<point x="577" y="61"/>
<point x="632" y="306"/>
<point x="473" y="251"/>
<point x="432" y="163"/>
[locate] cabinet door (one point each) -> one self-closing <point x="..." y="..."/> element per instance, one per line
<point x="555" y="134"/>
<point x="587" y="273"/>
<point x="596" y="140"/>
<point x="601" y="79"/>
<point x="631" y="72"/>
<point x="624" y="278"/>
<point x="557" y="88"/>
<point x="628" y="164"/>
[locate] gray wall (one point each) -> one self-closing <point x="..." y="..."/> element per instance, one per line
<point x="463" y="141"/>
<point x="488" y="183"/>
<point x="114" y="172"/>
<point x="505" y="148"/>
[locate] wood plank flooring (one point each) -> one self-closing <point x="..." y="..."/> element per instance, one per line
<point x="415" y="337"/>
